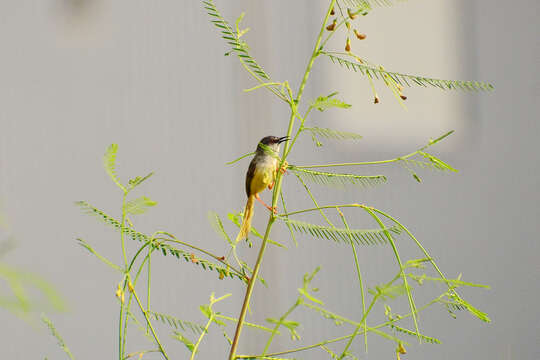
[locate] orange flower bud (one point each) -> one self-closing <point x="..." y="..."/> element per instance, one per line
<point x="348" y="45"/>
<point x="332" y="26"/>
<point x="359" y="35"/>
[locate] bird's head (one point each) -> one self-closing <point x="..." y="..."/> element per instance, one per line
<point x="273" y="142"/>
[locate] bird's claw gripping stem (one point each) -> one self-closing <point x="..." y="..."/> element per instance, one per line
<point x="271" y="208"/>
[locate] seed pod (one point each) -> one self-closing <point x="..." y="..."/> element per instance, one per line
<point x="403" y="97"/>
<point x="332" y="26"/>
<point x="332" y="12"/>
<point x="348" y="24"/>
<point x="359" y="35"/>
<point x="348" y="45"/>
<point x="350" y="13"/>
<point x="401" y="349"/>
<point x="376" y="101"/>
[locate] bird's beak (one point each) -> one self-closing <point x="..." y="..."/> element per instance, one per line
<point x="283" y="139"/>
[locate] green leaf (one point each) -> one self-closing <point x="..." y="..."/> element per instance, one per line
<point x="217" y="225"/>
<point x="139" y="206"/>
<point x="163" y="247"/>
<point x="239" y="47"/>
<point x="407" y="80"/>
<point x="305" y="293"/>
<point x="85" y="245"/>
<point x="451" y="282"/>
<point x="336" y="179"/>
<point x="289" y="324"/>
<point x="332" y="134"/>
<point x="358" y="236"/>
<point x="388" y="291"/>
<point x="109" y="163"/>
<point x="427" y="339"/>
<point x="177" y="323"/>
<point x="188" y="343"/>
<point x="326" y="102"/>
<point x="138" y="180"/>
<point x="55" y="333"/>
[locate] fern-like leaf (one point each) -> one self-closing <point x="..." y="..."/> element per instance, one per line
<point x="233" y="39"/>
<point x="327" y="178"/>
<point x="358" y="236"/>
<point x="162" y="247"/>
<point x="177" y="323"/>
<point x="332" y="134"/>
<point x="326" y="102"/>
<point x="405" y="79"/>
<point x="427" y="339"/>
<point x="368" y="4"/>
<point x="55" y="333"/>
<point x="139" y="205"/>
<point x="109" y="163"/>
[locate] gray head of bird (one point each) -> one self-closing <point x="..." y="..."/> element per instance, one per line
<point x="271" y="142"/>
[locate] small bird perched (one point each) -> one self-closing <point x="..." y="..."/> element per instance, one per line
<point x="261" y="174"/>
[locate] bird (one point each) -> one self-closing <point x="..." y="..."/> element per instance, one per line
<point x="261" y="174"/>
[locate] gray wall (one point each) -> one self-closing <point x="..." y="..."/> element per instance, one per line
<point x="78" y="75"/>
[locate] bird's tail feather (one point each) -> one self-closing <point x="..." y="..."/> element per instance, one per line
<point x="246" y="222"/>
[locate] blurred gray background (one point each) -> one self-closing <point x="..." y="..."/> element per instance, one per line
<point x="77" y="75"/>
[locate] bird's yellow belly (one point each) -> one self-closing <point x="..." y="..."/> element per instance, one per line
<point x="261" y="179"/>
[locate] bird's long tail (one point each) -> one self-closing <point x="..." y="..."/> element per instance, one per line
<point x="246" y="222"/>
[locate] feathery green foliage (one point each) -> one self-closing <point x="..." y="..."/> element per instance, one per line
<point x="232" y="38"/>
<point x="358" y="236"/>
<point x="425" y="338"/>
<point x="336" y="179"/>
<point x="157" y="245"/>
<point x="139" y="205"/>
<point x="368" y="4"/>
<point x="177" y="323"/>
<point x="55" y="333"/>
<point x="405" y="79"/>
<point x="339" y="14"/>
<point x="109" y="163"/>
<point x="332" y="134"/>
<point x="323" y="103"/>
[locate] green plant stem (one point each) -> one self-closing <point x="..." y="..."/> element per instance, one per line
<point x="122" y="239"/>
<point x="450" y="286"/>
<point x="404" y="277"/>
<point x="277" y="190"/>
<point x="314" y="200"/>
<point x="149" y="278"/>
<point x="204" y="252"/>
<point x="359" y="277"/>
<point x="341" y="338"/>
<point x="145" y="313"/>
<point x="210" y="320"/>
<point x="140" y="353"/>
<point x="276" y="328"/>
<point x="360" y="324"/>
<point x="404" y="157"/>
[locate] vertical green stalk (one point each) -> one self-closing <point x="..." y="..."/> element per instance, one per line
<point x="360" y="282"/>
<point x="276" y="328"/>
<point x="277" y="190"/>
<point x="210" y="320"/>
<point x="148" y="282"/>
<point x="132" y="290"/>
<point x="120" y="335"/>
<point x="402" y="273"/>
